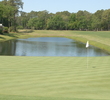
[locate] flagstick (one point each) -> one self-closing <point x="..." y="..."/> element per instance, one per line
<point x="87" y="45"/>
<point x="87" y="59"/>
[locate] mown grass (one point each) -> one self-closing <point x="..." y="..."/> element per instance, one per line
<point x="54" y="78"/>
<point x="100" y="39"/>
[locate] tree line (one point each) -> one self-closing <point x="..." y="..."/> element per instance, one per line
<point x="9" y="11"/>
<point x="11" y="17"/>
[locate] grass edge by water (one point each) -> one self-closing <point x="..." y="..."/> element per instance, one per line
<point x="45" y="33"/>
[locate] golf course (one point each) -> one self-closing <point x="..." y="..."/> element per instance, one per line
<point x="56" y="78"/>
<point x="54" y="49"/>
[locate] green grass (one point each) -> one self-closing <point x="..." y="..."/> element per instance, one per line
<point x="100" y="39"/>
<point x="54" y="78"/>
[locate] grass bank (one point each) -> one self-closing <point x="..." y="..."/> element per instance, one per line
<point x="100" y="39"/>
<point x="54" y="78"/>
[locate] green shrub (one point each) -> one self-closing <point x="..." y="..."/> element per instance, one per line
<point x="1" y="31"/>
<point x="19" y="27"/>
<point x="11" y="29"/>
<point x="5" y="30"/>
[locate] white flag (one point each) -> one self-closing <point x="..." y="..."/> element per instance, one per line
<point x="87" y="44"/>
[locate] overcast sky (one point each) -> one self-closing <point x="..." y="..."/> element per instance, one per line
<point x="65" y="5"/>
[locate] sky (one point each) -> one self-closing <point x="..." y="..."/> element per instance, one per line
<point x="72" y="6"/>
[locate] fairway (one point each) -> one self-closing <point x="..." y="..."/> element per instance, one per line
<point x="54" y="50"/>
<point x="54" y="78"/>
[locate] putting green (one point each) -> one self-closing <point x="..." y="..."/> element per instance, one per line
<point x="54" y="78"/>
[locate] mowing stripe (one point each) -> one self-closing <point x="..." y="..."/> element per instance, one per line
<point x="54" y="78"/>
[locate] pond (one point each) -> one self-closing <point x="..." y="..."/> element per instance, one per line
<point x="48" y="46"/>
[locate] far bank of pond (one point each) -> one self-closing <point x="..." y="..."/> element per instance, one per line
<point x="98" y="39"/>
<point x="48" y="46"/>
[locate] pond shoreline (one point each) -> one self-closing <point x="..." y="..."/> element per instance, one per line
<point x="50" y="33"/>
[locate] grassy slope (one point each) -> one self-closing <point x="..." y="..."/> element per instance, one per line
<point x="54" y="78"/>
<point x="99" y="39"/>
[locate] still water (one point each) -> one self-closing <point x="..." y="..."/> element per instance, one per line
<point x="48" y="46"/>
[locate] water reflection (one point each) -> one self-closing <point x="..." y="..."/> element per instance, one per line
<point x="47" y="46"/>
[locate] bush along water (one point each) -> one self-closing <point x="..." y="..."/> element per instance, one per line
<point x="1" y="31"/>
<point x="5" y="30"/>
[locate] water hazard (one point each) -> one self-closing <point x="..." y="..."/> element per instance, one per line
<point x="48" y="46"/>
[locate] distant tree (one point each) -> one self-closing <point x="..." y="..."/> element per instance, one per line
<point x="22" y="19"/>
<point x="72" y="25"/>
<point x="11" y="17"/>
<point x="38" y="20"/>
<point x="105" y="20"/>
<point x="6" y="13"/>
<point x="1" y="12"/>
<point x="17" y="4"/>
<point x="56" y="23"/>
<point x="11" y="9"/>
<point x="43" y="16"/>
<point x="65" y="16"/>
<point x="83" y="20"/>
<point x="97" y="20"/>
<point x="32" y="14"/>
